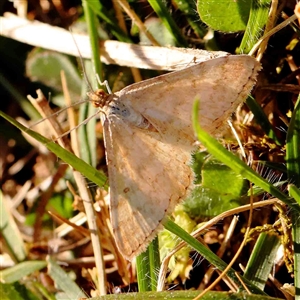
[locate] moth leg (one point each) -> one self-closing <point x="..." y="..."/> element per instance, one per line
<point x="105" y="82"/>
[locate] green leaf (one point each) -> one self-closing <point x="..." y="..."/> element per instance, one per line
<point x="225" y="15"/>
<point x="219" y="189"/>
<point x="45" y="66"/>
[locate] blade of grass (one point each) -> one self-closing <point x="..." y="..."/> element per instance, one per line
<point x="87" y="132"/>
<point x="147" y="264"/>
<point x="293" y="170"/>
<point x="154" y="262"/>
<point x="295" y="193"/>
<point x="92" y="24"/>
<point x="208" y="255"/>
<point x="63" y="281"/>
<point x="10" y="233"/>
<point x="21" y="270"/>
<point x="293" y="146"/>
<point x="143" y="272"/>
<point x="22" y="101"/>
<point x="77" y="163"/>
<point x="185" y="295"/>
<point x="16" y="291"/>
<point x="188" y="7"/>
<point x="262" y="259"/>
<point x="161" y="10"/>
<point x="258" y="18"/>
<point x="262" y="119"/>
<point x="238" y="166"/>
<point x="99" y="9"/>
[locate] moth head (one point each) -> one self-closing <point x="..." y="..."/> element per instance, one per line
<point x="99" y="97"/>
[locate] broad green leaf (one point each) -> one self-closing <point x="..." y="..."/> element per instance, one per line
<point x="45" y="66"/>
<point x="219" y="188"/>
<point x="225" y="15"/>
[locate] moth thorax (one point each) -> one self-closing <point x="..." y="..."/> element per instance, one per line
<point x="99" y="97"/>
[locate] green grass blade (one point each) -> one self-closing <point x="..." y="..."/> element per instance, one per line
<point x="63" y="281"/>
<point x="16" y="291"/>
<point x="293" y="170"/>
<point x="262" y="259"/>
<point x="262" y="119"/>
<point x="295" y="193"/>
<point x="77" y="163"/>
<point x="21" y="270"/>
<point x="10" y="233"/>
<point x="161" y="10"/>
<point x="293" y="147"/>
<point x="257" y="21"/>
<point x="185" y="295"/>
<point x="99" y="9"/>
<point x="87" y="132"/>
<point x="92" y="22"/>
<point x="188" y="7"/>
<point x="236" y="164"/>
<point x="208" y="254"/>
<point x="22" y="101"/>
<point x="154" y="262"/>
<point x="143" y="271"/>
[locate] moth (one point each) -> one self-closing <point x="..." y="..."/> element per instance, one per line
<point x="149" y="140"/>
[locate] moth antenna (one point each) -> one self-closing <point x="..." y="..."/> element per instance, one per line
<point x="81" y="62"/>
<point x="105" y="82"/>
<point x="82" y="123"/>
<point x="60" y="111"/>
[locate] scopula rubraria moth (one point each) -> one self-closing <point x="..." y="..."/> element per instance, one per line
<point x="149" y="140"/>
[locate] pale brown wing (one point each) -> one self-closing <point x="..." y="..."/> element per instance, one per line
<point x="220" y="84"/>
<point x="148" y="176"/>
<point x="148" y="170"/>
